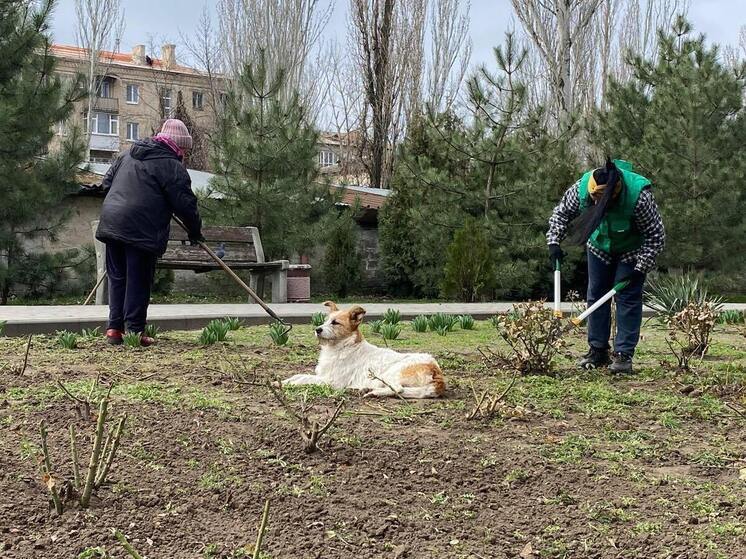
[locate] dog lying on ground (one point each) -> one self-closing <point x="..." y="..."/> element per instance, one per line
<point x="348" y="361"/>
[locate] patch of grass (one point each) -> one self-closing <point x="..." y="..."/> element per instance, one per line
<point x="419" y="323"/>
<point x="279" y="334"/>
<point x="466" y="322"/>
<point x="152" y="331"/>
<point x="607" y="512"/>
<point x="317" y="319"/>
<point x="669" y="420"/>
<point x="311" y="392"/>
<point x="709" y="459"/>
<point x="91" y="333"/>
<point x="29" y="450"/>
<point x="215" y="479"/>
<point x="515" y="476"/>
<point x="729" y="529"/>
<point x="439" y="498"/>
<point x="172" y="396"/>
<point x="392" y="316"/>
<point x="67" y="340"/>
<point x="131" y="340"/>
<point x="703" y="506"/>
<point x="731" y="316"/>
<point x="93" y="553"/>
<point x="647" y="527"/>
<point x="390" y="331"/>
<point x="571" y="450"/>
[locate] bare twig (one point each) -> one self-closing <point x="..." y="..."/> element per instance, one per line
<point x="741" y="413"/>
<point x="372" y="375"/>
<point x="95" y="455"/>
<point x="107" y="459"/>
<point x="49" y="479"/>
<point x="74" y="452"/>
<point x="492" y="402"/>
<point x="262" y="529"/>
<point x="22" y="370"/>
<point x="126" y="545"/>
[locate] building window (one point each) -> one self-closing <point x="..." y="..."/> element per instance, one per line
<point x="104" y="88"/>
<point x="133" y="94"/>
<point x="105" y="124"/>
<point x="197" y="100"/>
<point x="167" y="107"/>
<point x="327" y="158"/>
<point x="133" y="131"/>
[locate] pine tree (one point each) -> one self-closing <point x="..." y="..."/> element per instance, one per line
<point x="681" y="121"/>
<point x="32" y="101"/>
<point x="266" y="165"/>
<point x="341" y="263"/>
<point x="470" y="266"/>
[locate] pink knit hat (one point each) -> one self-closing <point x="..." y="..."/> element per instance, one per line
<point x="178" y="132"/>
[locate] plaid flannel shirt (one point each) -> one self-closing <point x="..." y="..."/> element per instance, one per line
<point x="647" y="219"/>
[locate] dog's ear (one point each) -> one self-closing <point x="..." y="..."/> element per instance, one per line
<point x="356" y="314"/>
<point x="332" y="306"/>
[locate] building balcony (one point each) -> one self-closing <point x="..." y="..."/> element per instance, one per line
<point x="104" y="142"/>
<point x="106" y="104"/>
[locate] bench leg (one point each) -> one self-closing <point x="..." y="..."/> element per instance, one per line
<point x="280" y="286"/>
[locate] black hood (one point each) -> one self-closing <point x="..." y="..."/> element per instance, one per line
<point x="145" y="150"/>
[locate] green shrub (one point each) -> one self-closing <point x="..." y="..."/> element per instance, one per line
<point x="279" y="334"/>
<point x="419" y="323"/>
<point x="392" y="316"/>
<point x="390" y="331"/>
<point x="470" y="269"/>
<point x="68" y="340"/>
<point x="731" y="316"/>
<point x="317" y="319"/>
<point x="669" y="295"/>
<point x="439" y="321"/>
<point x="152" y="331"/>
<point x="466" y="321"/>
<point x="341" y="263"/>
<point x="375" y="326"/>
<point x="132" y="339"/>
<point x="163" y="282"/>
<point x="233" y="323"/>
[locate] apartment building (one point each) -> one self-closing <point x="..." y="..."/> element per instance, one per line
<point x="135" y="93"/>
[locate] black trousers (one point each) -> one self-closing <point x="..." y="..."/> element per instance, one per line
<point x="131" y="272"/>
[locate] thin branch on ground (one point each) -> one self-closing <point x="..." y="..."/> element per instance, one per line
<point x="262" y="529"/>
<point x="397" y="393"/>
<point x="126" y="544"/>
<point x="49" y="478"/>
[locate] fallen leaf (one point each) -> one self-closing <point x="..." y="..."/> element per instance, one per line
<point x="527" y="552"/>
<point x="454" y="542"/>
<point x="742" y="474"/>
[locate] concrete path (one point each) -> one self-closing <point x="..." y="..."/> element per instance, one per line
<point x="23" y="320"/>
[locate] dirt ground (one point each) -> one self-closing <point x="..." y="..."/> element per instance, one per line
<point x="577" y="465"/>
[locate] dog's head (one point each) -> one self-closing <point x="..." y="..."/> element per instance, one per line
<point x="341" y="325"/>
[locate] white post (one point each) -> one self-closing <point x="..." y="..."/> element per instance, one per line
<point x="557" y="294"/>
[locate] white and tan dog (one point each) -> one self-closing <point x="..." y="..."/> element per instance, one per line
<point x="348" y="361"/>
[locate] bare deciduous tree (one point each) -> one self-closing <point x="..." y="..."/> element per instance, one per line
<point x="387" y="39"/>
<point x="100" y="25"/>
<point x="450" y="51"/>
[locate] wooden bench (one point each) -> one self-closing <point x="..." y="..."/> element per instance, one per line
<point x="243" y="251"/>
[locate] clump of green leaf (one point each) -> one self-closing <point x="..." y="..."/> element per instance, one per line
<point x="91" y="333"/>
<point x="68" y="340"/>
<point x="233" y="323"/>
<point x="279" y="333"/>
<point x="317" y="319"/>
<point x="669" y="295"/>
<point x="392" y="316"/>
<point x="390" y="331"/>
<point x="216" y="331"/>
<point x="132" y="339"/>
<point x="731" y="316"/>
<point x="441" y="321"/>
<point x="466" y="321"/>
<point x="2" y="326"/>
<point x="419" y="323"/>
<point x="152" y="331"/>
<point x="375" y="326"/>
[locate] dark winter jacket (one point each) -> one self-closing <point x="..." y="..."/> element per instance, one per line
<point x="144" y="188"/>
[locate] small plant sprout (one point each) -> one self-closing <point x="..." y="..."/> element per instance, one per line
<point x="215" y="331"/>
<point x="390" y="331"/>
<point x="317" y="319"/>
<point x="466" y="321"/>
<point x="392" y="316"/>
<point x="233" y="322"/>
<point x="67" y="340"/>
<point x="152" y="331"/>
<point x="131" y="339"/>
<point x="375" y="326"/>
<point x="279" y="334"/>
<point x="440" y="321"/>
<point x="91" y="333"/>
<point x="419" y="323"/>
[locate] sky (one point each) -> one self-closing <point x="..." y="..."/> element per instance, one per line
<point x="166" y="20"/>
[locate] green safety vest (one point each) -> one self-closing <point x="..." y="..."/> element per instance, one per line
<point x="617" y="233"/>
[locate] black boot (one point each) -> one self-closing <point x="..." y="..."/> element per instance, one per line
<point x="621" y="363"/>
<point x="595" y="358"/>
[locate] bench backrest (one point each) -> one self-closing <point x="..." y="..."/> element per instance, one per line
<point x="241" y="244"/>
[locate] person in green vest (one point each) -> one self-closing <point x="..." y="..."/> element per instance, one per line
<point x="619" y="223"/>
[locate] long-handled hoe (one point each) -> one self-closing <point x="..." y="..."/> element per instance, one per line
<point x="228" y="271"/>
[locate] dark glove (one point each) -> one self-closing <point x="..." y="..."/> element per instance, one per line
<point x="196" y="239"/>
<point x="556" y="254"/>
<point x="635" y="277"/>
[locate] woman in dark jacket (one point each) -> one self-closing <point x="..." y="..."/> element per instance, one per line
<point x="144" y="188"/>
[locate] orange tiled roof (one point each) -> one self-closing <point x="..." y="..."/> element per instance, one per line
<point x="118" y="59"/>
